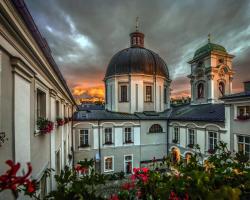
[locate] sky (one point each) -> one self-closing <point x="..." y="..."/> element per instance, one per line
<point x="83" y="35"/>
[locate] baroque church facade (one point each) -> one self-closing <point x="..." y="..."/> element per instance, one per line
<point x="138" y="124"/>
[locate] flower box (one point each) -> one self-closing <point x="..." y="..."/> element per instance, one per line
<point x="84" y="146"/>
<point x="108" y="143"/>
<point x="175" y="141"/>
<point x="128" y="142"/>
<point x="44" y="125"/>
<point x="243" y="117"/>
<point x="59" y="121"/>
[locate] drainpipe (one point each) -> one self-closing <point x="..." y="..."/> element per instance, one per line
<point x="167" y="129"/>
<point x="72" y="143"/>
<point x="99" y="147"/>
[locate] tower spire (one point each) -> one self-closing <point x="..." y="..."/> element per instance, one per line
<point x="137" y="24"/>
<point x="208" y="37"/>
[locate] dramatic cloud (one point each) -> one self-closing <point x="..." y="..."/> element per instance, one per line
<point x="83" y="35"/>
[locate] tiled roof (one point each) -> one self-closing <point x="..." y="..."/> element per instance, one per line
<point x="92" y="115"/>
<point x="236" y="95"/>
<point x="203" y="112"/>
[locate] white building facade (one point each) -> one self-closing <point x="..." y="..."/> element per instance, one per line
<point x="31" y="88"/>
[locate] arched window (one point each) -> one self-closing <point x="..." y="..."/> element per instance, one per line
<point x="200" y="90"/>
<point x="155" y="128"/>
<point x="222" y="89"/>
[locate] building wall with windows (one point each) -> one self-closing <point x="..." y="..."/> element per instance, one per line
<point x="183" y="135"/>
<point x="29" y="85"/>
<point x="127" y="138"/>
<point x="137" y="93"/>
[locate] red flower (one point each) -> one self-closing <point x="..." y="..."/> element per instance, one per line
<point x="114" y="197"/>
<point x="81" y="169"/>
<point x="128" y="186"/>
<point x="11" y="181"/>
<point x="140" y="174"/>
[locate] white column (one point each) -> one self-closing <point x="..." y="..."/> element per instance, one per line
<point x="53" y="142"/>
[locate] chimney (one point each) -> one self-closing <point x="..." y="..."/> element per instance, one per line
<point x="247" y="86"/>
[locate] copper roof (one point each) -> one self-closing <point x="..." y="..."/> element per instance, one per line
<point x="137" y="60"/>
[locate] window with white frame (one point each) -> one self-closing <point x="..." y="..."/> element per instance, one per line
<point x="148" y="93"/>
<point x="41" y="104"/>
<point x="243" y="111"/>
<point x="191" y="137"/>
<point x="244" y="145"/>
<point x="108" y="136"/>
<point x="108" y="163"/>
<point x="84" y="138"/>
<point x="128" y="135"/>
<point x="176" y="135"/>
<point x="128" y="164"/>
<point x="212" y="140"/>
<point x="123" y="93"/>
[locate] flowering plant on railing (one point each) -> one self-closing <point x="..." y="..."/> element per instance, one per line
<point x="243" y="117"/>
<point x="59" y="121"/>
<point x="44" y="125"/>
<point x="10" y="181"/>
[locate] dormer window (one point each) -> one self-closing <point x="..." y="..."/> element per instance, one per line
<point x="200" y="90"/>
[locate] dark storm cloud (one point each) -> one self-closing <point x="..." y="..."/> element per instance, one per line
<point x="83" y="35"/>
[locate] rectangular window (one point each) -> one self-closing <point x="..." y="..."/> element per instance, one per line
<point x="243" y="111"/>
<point x="108" y="135"/>
<point x="128" y="135"/>
<point x="212" y="140"/>
<point x="165" y="95"/>
<point x="191" y="137"/>
<point x="57" y="109"/>
<point x="176" y="135"/>
<point x="244" y="145"/>
<point x="128" y="164"/>
<point x="123" y="93"/>
<point x="84" y="138"/>
<point x="109" y="164"/>
<point x="148" y="96"/>
<point x="41" y="104"/>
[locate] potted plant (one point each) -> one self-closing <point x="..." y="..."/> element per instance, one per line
<point x="59" y="121"/>
<point x="243" y="117"/>
<point x="44" y="125"/>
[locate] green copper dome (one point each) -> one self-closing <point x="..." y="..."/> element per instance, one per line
<point x="208" y="48"/>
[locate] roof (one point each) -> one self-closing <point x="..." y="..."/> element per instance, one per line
<point x="92" y="115"/>
<point x="137" y="60"/>
<point x="237" y="95"/>
<point x="208" y="48"/>
<point x="204" y="112"/>
<point x="90" y="107"/>
<point x="40" y="40"/>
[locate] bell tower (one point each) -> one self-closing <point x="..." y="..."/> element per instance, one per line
<point x="211" y="74"/>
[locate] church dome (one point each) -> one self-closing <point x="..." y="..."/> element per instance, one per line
<point x="137" y="60"/>
<point x="208" y="48"/>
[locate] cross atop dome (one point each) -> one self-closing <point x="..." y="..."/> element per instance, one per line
<point x="137" y="38"/>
